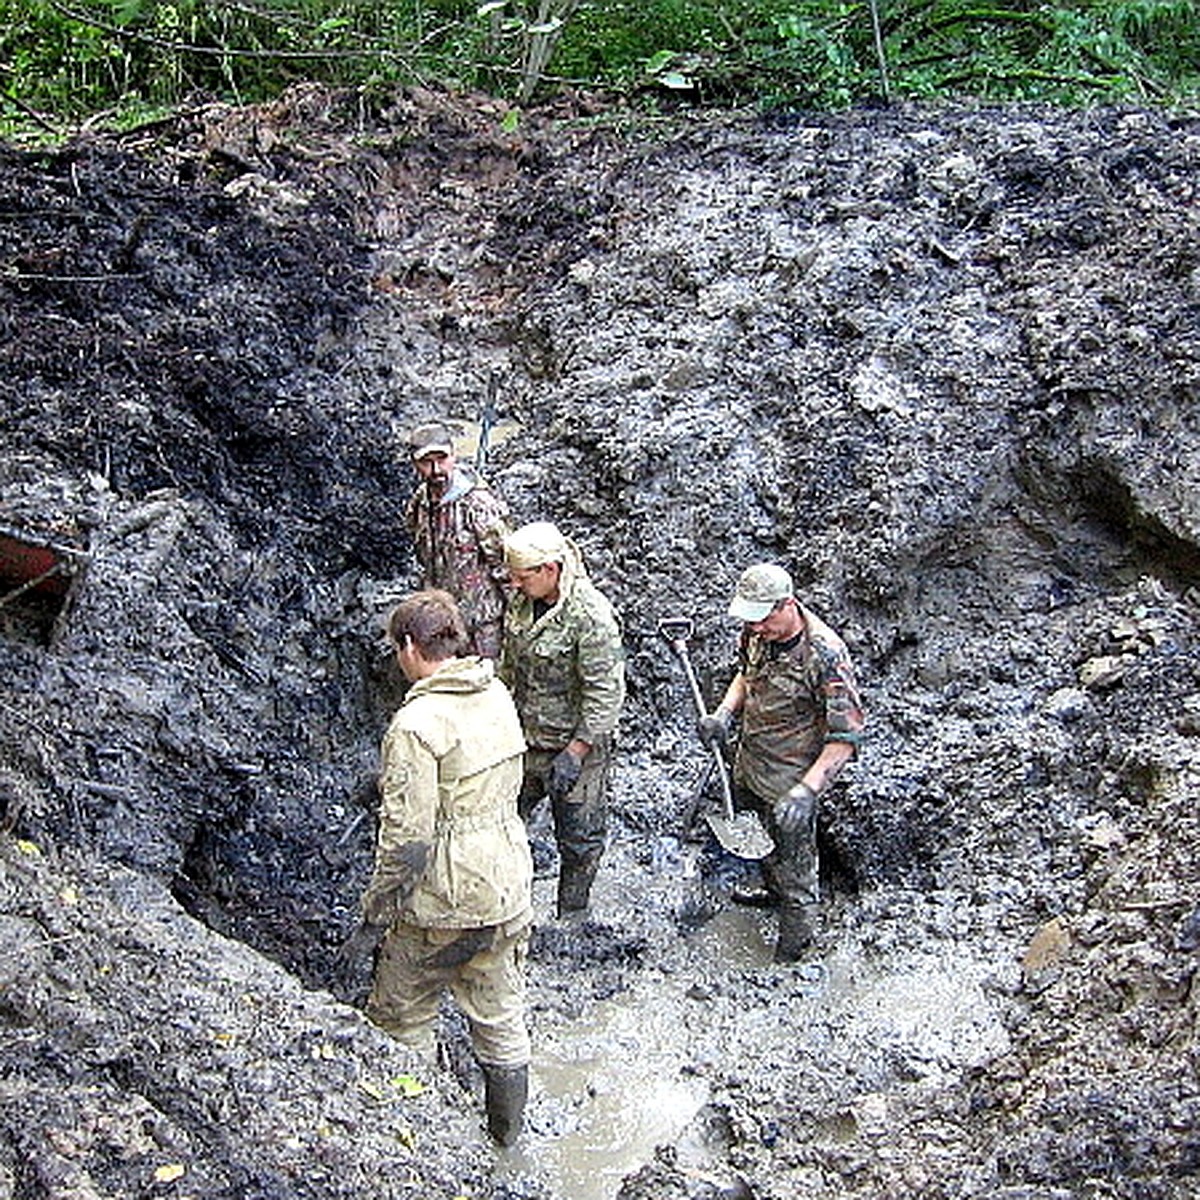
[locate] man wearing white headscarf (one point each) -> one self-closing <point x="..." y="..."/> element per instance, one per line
<point x="563" y="659"/>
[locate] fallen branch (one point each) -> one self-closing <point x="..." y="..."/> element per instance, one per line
<point x="30" y="584"/>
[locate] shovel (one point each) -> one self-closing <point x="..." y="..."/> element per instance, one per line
<point x="741" y="834"/>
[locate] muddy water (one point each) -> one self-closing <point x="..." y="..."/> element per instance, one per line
<point x="606" y="1091"/>
<point x="631" y="1072"/>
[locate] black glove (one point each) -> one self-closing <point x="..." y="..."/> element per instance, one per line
<point x="395" y="879"/>
<point x="464" y="947"/>
<point x="565" y="770"/>
<point x="361" y="946"/>
<point x="713" y="728"/>
<point x="796" y="811"/>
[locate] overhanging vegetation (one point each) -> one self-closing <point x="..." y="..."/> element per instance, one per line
<point x="120" y="61"/>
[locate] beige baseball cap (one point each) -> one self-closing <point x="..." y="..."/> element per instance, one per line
<point x="760" y="588"/>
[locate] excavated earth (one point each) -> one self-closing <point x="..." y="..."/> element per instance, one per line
<point x="944" y="364"/>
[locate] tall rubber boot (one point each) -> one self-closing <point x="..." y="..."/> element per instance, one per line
<point x="797" y="928"/>
<point x="575" y="888"/>
<point x="505" y="1091"/>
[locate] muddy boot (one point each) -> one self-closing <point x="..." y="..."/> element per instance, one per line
<point x="574" y="890"/>
<point x="505" y="1091"/>
<point x="797" y="927"/>
<point x="754" y="897"/>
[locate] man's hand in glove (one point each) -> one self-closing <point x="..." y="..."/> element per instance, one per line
<point x="713" y="728"/>
<point x="797" y="810"/>
<point x="359" y="947"/>
<point x="565" y="769"/>
<point x="396" y="876"/>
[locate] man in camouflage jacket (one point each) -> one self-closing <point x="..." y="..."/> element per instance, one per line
<point x="458" y="524"/>
<point x="801" y="722"/>
<point x="563" y="658"/>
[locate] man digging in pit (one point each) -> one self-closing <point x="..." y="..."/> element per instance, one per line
<point x="801" y="722"/>
<point x="450" y="897"/>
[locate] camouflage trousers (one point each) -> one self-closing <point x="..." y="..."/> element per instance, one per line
<point x="483" y="969"/>
<point x="580" y="817"/>
<point x="792" y="871"/>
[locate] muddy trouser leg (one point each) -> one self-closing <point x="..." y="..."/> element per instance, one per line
<point x="490" y="990"/>
<point x="792" y="872"/>
<point x="405" y="991"/>
<point x="533" y="792"/>
<point x="580" y="825"/>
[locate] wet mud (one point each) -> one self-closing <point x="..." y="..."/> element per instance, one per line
<point x="940" y="363"/>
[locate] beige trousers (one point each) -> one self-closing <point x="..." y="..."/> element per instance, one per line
<point x="416" y="966"/>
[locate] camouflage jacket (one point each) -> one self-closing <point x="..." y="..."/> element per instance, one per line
<point x="798" y="697"/>
<point x="452" y="769"/>
<point x="459" y="542"/>
<point x="566" y="667"/>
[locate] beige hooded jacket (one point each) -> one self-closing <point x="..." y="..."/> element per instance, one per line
<point x="452" y="766"/>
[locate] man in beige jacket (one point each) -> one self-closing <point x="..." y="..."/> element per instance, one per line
<point x="453" y="876"/>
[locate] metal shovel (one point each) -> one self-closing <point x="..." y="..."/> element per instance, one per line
<point x="741" y="833"/>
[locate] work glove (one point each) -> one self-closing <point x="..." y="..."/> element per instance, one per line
<point x="361" y="946"/>
<point x="795" y="812"/>
<point x="565" y="770"/>
<point x="464" y="947"/>
<point x="394" y="881"/>
<point x="713" y="728"/>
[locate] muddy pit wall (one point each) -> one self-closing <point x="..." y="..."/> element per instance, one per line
<point x="942" y="367"/>
<point x="916" y="362"/>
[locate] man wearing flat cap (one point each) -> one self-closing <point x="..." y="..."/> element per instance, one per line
<point x="801" y="722"/>
<point x="457" y="524"/>
<point x="563" y="659"/>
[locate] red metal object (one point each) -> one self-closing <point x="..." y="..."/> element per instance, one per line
<point x="23" y="560"/>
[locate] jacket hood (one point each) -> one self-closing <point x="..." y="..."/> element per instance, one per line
<point x="460" y="675"/>
<point x="463" y="480"/>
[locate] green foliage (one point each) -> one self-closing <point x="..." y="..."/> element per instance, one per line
<point x="65" y="60"/>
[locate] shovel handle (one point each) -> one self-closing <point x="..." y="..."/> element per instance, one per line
<point x="680" y="648"/>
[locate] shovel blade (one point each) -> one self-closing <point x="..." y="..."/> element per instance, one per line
<point x="741" y="835"/>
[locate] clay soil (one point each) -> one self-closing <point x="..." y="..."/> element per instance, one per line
<point x="941" y="363"/>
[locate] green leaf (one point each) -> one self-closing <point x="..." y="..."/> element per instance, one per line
<point x="658" y="60"/>
<point x="409" y="1085"/>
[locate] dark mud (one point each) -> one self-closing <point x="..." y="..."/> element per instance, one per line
<point x="943" y="364"/>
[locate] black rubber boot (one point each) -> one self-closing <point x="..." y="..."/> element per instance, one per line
<point x="797" y="927"/>
<point x="754" y="897"/>
<point x="575" y="889"/>
<point x="505" y="1091"/>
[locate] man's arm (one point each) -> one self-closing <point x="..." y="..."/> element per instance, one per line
<point x="408" y="784"/>
<point x="600" y="662"/>
<point x="735" y="695"/>
<point x="828" y="766"/>
<point x="490" y="524"/>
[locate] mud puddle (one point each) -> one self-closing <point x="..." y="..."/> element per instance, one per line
<point x="633" y="1072"/>
<point x="606" y="1092"/>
